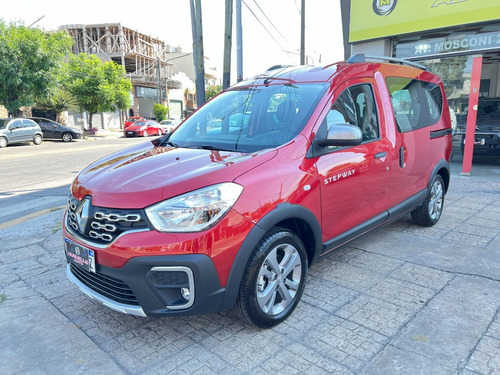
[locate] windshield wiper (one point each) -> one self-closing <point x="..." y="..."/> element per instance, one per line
<point x="213" y="148"/>
<point x="171" y="144"/>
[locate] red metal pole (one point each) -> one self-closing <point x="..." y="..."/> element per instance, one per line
<point x="477" y="62"/>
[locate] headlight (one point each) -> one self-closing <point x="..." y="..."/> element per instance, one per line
<point x="194" y="211"/>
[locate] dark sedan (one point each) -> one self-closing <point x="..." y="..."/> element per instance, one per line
<point x="54" y="130"/>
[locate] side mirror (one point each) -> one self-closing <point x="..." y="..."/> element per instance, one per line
<point x="341" y="135"/>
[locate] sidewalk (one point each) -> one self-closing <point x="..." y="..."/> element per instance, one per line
<point x="401" y="300"/>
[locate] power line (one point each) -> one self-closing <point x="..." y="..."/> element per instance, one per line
<point x="265" y="28"/>
<point x="298" y="9"/>
<point x="258" y="6"/>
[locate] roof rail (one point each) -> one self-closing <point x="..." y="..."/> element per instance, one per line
<point x="278" y="67"/>
<point x="361" y="57"/>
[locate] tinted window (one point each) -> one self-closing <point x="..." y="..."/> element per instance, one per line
<point x="356" y="106"/>
<point x="434" y="100"/>
<point x="416" y="104"/>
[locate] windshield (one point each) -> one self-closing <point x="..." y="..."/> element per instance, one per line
<point x="138" y="123"/>
<point x="250" y="119"/>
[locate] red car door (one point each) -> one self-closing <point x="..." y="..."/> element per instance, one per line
<point x="355" y="180"/>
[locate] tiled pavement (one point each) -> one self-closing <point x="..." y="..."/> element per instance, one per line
<point x="402" y="300"/>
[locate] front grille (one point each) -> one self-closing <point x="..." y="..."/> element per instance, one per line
<point x="102" y="225"/>
<point x="107" y="286"/>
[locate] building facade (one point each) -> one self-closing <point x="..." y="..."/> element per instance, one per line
<point x="446" y="36"/>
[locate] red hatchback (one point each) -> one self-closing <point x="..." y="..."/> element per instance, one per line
<point x="143" y="129"/>
<point x="131" y="120"/>
<point x="231" y="209"/>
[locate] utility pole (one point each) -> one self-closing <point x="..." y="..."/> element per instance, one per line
<point x="239" y="42"/>
<point x="199" y="65"/>
<point x="303" y="33"/>
<point x="158" y="81"/>
<point x="226" y="75"/>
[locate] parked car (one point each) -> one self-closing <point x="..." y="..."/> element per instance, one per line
<point x="169" y="125"/>
<point x="54" y="130"/>
<point x="19" y="130"/>
<point x="231" y="209"/>
<point x="132" y="119"/>
<point x="143" y="129"/>
<point x="487" y="133"/>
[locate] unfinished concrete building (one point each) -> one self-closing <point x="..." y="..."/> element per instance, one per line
<point x="146" y="61"/>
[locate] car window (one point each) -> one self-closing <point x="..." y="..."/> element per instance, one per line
<point x="28" y="124"/>
<point x="251" y="119"/>
<point x="416" y="104"/>
<point x="16" y="124"/>
<point x="356" y="106"/>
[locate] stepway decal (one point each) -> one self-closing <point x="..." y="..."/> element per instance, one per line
<point x="384" y="7"/>
<point x="340" y="176"/>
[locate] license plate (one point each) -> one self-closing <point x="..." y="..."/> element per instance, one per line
<point x="479" y="141"/>
<point x="80" y="255"/>
<point x="130" y="132"/>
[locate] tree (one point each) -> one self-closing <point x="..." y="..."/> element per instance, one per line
<point x="211" y="91"/>
<point x="97" y="86"/>
<point x="29" y="63"/>
<point x="160" y="111"/>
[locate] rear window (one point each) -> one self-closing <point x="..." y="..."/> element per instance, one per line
<point x="416" y="103"/>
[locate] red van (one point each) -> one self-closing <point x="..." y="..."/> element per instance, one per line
<point x="231" y="209"/>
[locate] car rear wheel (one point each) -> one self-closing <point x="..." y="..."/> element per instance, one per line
<point x="274" y="279"/>
<point x="3" y="142"/>
<point x="67" y="137"/>
<point x="430" y="211"/>
<point x="37" y="139"/>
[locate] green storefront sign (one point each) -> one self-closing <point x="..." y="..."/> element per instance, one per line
<point x="372" y="19"/>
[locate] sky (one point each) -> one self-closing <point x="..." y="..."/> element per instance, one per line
<point x="271" y="34"/>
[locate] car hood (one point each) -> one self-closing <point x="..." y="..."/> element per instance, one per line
<point x="131" y="128"/>
<point x="144" y="174"/>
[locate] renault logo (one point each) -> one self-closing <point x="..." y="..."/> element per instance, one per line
<point x="384" y="7"/>
<point x="82" y="215"/>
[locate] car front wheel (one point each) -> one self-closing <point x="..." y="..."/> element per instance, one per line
<point x="144" y="133"/>
<point x="3" y="142"/>
<point x="430" y="211"/>
<point x="66" y="137"/>
<point x="274" y="279"/>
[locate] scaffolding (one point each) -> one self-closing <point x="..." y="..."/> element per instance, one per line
<point x="143" y="57"/>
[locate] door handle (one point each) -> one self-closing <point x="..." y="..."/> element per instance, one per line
<point x="380" y="155"/>
<point x="402" y="157"/>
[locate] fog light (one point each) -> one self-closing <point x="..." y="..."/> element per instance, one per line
<point x="185" y="293"/>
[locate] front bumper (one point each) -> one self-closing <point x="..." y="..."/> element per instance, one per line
<point x="152" y="286"/>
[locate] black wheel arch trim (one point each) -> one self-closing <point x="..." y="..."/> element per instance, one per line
<point x="441" y="165"/>
<point x="284" y="211"/>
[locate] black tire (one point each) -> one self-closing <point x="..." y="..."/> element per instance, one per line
<point x="430" y="211"/>
<point x="274" y="279"/>
<point x="3" y="142"/>
<point x="37" y="140"/>
<point x="67" y="137"/>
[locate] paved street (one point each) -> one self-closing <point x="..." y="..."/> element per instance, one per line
<point x="401" y="300"/>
